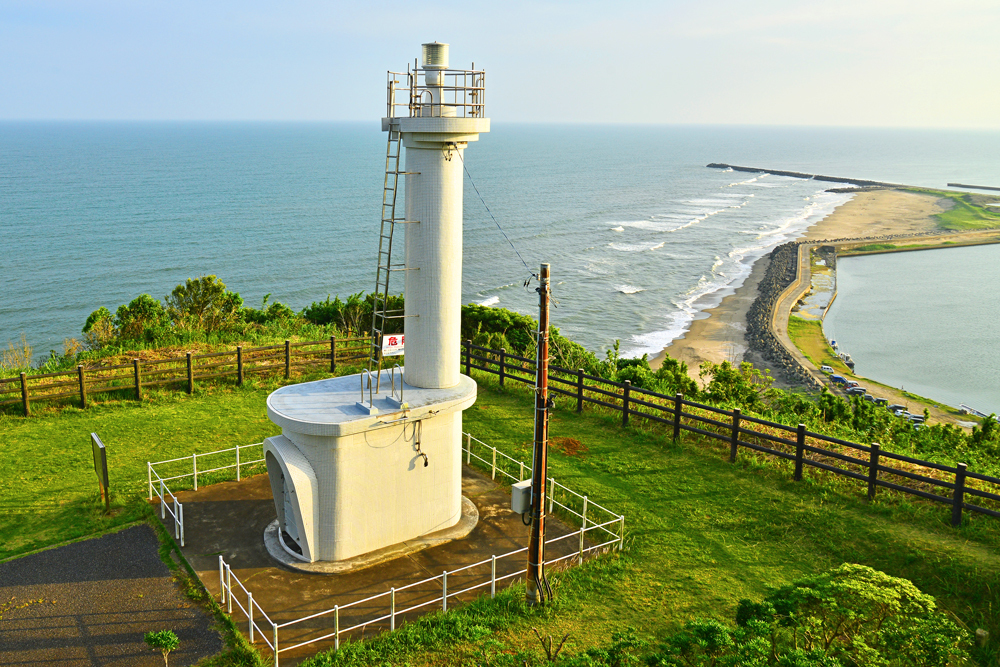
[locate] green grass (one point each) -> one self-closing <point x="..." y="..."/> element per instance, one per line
<point x="701" y="533"/>
<point x="809" y="338"/>
<point x="874" y="246"/>
<point x="966" y="211"/>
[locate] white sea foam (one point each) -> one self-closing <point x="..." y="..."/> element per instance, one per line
<point x="492" y="301"/>
<point x="629" y="289"/>
<point x="636" y="247"/>
<point x="619" y="228"/>
<point x="729" y="272"/>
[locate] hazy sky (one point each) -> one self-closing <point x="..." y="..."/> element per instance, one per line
<point x="835" y="62"/>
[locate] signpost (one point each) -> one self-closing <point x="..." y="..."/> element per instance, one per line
<point x="101" y="469"/>
<point x="392" y="345"/>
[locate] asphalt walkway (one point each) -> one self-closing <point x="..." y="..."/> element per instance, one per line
<point x="98" y="598"/>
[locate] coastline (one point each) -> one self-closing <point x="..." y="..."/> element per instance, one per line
<point x="716" y="335"/>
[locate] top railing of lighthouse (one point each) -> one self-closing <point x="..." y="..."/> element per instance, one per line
<point x="434" y="91"/>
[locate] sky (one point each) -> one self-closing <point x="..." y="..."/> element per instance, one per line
<point x="877" y="63"/>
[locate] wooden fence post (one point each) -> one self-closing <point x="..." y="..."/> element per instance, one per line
<point x="734" y="438"/>
<point x="873" y="470"/>
<point x="958" y="498"/>
<point x="138" y="379"/>
<point x="24" y="395"/>
<point x="625" y="396"/>
<point x="800" y="450"/>
<point x="288" y="359"/>
<point x="83" y="386"/>
<point x="239" y="365"/>
<point x="333" y="354"/>
<point x="468" y="357"/>
<point x="678" y="404"/>
<point x="190" y="374"/>
<point x="503" y="365"/>
<point x="579" y="390"/>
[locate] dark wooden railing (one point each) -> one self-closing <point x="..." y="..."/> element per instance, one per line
<point x="138" y="375"/>
<point x="868" y="464"/>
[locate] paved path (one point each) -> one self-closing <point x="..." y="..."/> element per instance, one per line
<point x="100" y="597"/>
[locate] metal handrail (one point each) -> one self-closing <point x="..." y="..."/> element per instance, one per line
<point x="461" y="90"/>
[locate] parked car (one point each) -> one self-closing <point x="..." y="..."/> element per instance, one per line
<point x="895" y="407"/>
<point x="916" y="419"/>
<point x="826" y="369"/>
<point x="857" y="390"/>
<point x="838" y="379"/>
<point x="881" y="401"/>
<point x="853" y="383"/>
<point x="869" y="398"/>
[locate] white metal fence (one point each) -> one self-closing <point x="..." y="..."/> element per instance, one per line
<point x="157" y="482"/>
<point x="604" y="528"/>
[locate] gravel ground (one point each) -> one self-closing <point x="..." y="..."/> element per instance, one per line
<point x="98" y="597"/>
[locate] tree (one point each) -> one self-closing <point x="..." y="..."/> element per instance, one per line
<point x="140" y="319"/>
<point x="163" y="641"/>
<point x="203" y="303"/>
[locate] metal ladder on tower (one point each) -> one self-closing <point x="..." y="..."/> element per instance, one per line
<point x="381" y="313"/>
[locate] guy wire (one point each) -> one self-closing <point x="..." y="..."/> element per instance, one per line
<point x="487" y="207"/>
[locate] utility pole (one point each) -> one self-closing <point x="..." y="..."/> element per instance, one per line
<point x="537" y="586"/>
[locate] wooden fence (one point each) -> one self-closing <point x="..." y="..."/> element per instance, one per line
<point x="867" y="464"/>
<point x="84" y="382"/>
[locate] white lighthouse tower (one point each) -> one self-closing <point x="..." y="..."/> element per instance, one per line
<point x="367" y="463"/>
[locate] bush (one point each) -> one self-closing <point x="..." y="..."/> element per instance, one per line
<point x="850" y="615"/>
<point x="203" y="304"/>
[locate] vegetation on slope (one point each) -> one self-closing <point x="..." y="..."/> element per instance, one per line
<point x="968" y="210"/>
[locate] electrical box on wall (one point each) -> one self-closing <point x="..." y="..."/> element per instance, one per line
<point x="520" y="497"/>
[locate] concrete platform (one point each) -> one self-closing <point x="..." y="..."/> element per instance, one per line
<point x="229" y="519"/>
<point x="465" y="525"/>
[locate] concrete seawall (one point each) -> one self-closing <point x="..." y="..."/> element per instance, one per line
<point x="799" y="174"/>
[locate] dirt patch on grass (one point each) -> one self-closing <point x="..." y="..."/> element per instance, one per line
<point x="568" y="446"/>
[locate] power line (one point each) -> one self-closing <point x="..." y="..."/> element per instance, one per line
<point x="487" y="207"/>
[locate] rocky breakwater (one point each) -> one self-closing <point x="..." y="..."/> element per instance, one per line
<point x="781" y="271"/>
<point x="860" y="182"/>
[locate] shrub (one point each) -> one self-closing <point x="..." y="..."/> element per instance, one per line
<point x="203" y="304"/>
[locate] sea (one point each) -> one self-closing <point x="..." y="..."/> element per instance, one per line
<point x="641" y="236"/>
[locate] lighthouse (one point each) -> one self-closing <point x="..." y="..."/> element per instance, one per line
<point x="368" y="464"/>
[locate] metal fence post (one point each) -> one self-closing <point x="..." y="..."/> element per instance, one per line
<point x="83" y="386"/>
<point x="493" y="472"/>
<point x="734" y="438"/>
<point x="493" y="576"/>
<point x="392" y="609"/>
<point x="237" y="463"/>
<point x="873" y="470"/>
<point x="336" y="627"/>
<point x="468" y="451"/>
<point x="333" y="354"/>
<point x="149" y="478"/>
<point x="958" y="499"/>
<point x="177" y="521"/>
<point x="250" y="613"/>
<point x="678" y="404"/>
<point x="239" y="365"/>
<point x="138" y="379"/>
<point x="625" y="396"/>
<point x="552" y="494"/>
<point x="163" y="503"/>
<point x="468" y="357"/>
<point x="579" y="390"/>
<point x="229" y="588"/>
<point x="180" y="510"/>
<point x="621" y="533"/>
<point x="800" y="449"/>
<point x="503" y="365"/>
<point x="222" y="581"/>
<point x="194" y="468"/>
<point x="444" y="591"/>
<point x="275" y="626"/>
<point x="583" y="528"/>
<point x="190" y="371"/>
<point x="520" y="477"/>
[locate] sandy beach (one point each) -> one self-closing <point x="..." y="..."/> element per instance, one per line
<point x="717" y="334"/>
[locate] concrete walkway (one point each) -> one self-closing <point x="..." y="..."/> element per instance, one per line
<point x="229" y="519"/>
<point x="98" y="598"/>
